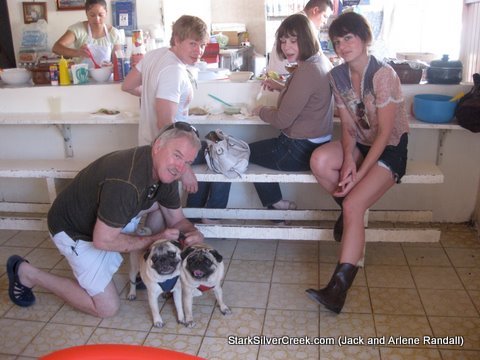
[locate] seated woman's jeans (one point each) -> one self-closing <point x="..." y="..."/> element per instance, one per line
<point x="210" y="194"/>
<point x="281" y="153"/>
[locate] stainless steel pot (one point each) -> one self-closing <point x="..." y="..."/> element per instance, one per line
<point x="444" y="71"/>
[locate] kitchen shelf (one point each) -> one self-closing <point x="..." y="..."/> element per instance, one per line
<point x="85" y="118"/>
<point x="68" y="118"/>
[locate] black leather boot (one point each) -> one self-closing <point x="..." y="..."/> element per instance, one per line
<point x="338" y="227"/>
<point x="334" y="294"/>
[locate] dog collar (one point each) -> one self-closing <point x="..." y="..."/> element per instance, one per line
<point x="204" y="288"/>
<point x="168" y="285"/>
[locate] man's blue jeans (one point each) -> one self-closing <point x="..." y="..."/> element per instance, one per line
<point x="209" y="195"/>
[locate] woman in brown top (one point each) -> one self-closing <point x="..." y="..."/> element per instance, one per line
<point x="304" y="111"/>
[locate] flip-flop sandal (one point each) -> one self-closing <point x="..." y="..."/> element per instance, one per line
<point x="19" y="293"/>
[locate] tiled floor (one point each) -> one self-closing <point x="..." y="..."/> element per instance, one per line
<point x="405" y="292"/>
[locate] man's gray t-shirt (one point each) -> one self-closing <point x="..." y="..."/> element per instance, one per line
<point x="114" y="188"/>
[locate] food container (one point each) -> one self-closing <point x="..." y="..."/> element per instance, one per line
<point x="433" y="108"/>
<point x="236" y="108"/>
<point x="406" y="73"/>
<point x="444" y="71"/>
<point x="222" y="40"/>
<point x="79" y="73"/>
<point x="41" y="74"/>
<point x="240" y="76"/>
<point x="15" y="76"/>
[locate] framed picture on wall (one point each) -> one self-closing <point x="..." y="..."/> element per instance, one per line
<point x="34" y="11"/>
<point x="70" y="4"/>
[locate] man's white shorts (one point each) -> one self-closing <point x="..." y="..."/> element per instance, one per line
<point x="92" y="267"/>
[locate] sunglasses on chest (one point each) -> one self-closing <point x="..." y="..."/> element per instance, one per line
<point x="361" y="114"/>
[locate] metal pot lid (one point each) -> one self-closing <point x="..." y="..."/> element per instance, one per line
<point x="445" y="63"/>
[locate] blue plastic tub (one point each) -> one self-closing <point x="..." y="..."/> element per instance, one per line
<point x="433" y="108"/>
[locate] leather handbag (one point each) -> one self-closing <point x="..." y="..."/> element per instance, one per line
<point x="226" y="154"/>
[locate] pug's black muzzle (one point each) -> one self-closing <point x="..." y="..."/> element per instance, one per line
<point x="200" y="266"/>
<point x="164" y="265"/>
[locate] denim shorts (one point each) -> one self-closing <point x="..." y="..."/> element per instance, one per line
<point x="393" y="157"/>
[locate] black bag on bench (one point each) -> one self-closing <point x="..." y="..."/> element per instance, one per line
<point x="468" y="108"/>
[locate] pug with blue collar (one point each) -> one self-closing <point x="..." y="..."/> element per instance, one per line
<point x="160" y="269"/>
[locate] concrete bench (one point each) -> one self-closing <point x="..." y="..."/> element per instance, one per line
<point x="303" y="224"/>
<point x="237" y="223"/>
<point x="417" y="173"/>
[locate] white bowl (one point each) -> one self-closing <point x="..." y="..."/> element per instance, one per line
<point x="16" y="76"/>
<point x="240" y="76"/>
<point x="236" y="108"/>
<point x="101" y="75"/>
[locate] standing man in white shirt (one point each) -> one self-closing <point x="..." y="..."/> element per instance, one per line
<point x="162" y="81"/>
<point x="166" y="87"/>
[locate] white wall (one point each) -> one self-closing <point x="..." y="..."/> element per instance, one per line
<point x="173" y="9"/>
<point x="252" y="13"/>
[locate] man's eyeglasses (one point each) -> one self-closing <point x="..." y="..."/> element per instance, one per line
<point x="182" y="125"/>
<point x="362" y="115"/>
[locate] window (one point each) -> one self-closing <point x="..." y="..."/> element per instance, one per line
<point x="430" y="26"/>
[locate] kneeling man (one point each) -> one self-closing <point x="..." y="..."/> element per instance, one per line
<point x="94" y="219"/>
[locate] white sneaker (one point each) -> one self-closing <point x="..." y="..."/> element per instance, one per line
<point x="285" y="205"/>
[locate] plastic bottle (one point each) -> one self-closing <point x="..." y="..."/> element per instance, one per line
<point x="53" y="69"/>
<point x="63" y="74"/>
<point x="117" y="67"/>
<point x="138" y="47"/>
<point x="126" y="66"/>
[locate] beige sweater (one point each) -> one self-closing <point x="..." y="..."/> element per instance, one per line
<point x="305" y="106"/>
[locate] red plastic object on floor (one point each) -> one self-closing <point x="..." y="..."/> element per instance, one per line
<point x="117" y="352"/>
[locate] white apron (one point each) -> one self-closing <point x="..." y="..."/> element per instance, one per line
<point x="100" y="53"/>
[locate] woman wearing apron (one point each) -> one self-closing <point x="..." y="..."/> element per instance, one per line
<point x="94" y="35"/>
